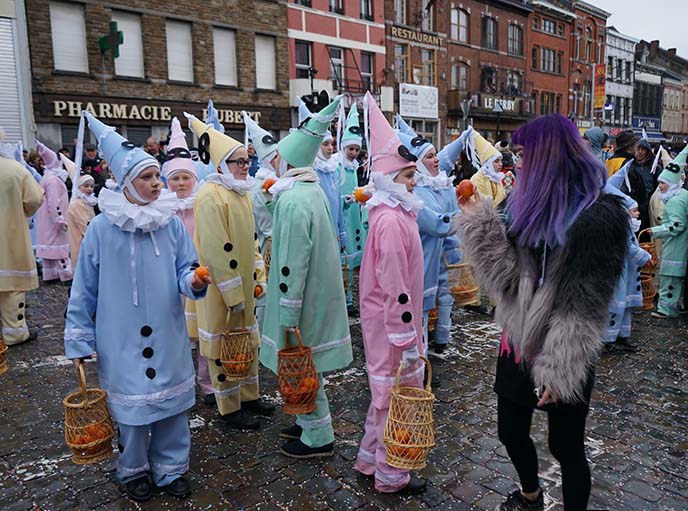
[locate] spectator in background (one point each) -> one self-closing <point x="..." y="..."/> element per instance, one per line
<point x="153" y="148"/>
<point x="253" y="167"/>
<point x="626" y="143"/>
<point x="66" y="152"/>
<point x="36" y="162"/>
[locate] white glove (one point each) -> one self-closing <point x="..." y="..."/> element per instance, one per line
<point x="239" y="307"/>
<point x="410" y="356"/>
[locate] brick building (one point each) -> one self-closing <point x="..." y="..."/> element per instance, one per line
<point x="416" y="41"/>
<point x="488" y="65"/>
<point x="550" y="31"/>
<point x="175" y="56"/>
<point x="337" y="46"/>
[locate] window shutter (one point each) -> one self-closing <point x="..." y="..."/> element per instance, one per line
<point x="69" y="37"/>
<point x="265" y="62"/>
<point x="179" y="51"/>
<point x="225" y="57"/>
<point x="130" y="60"/>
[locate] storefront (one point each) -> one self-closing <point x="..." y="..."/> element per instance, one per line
<point x="496" y="118"/>
<point x="57" y="117"/>
<point x="419" y="106"/>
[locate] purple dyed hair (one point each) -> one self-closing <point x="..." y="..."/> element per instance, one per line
<point x="560" y="177"/>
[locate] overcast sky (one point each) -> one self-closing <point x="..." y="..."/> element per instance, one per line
<point x="666" y="20"/>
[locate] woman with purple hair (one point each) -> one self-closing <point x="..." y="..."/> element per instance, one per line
<point x="551" y="262"/>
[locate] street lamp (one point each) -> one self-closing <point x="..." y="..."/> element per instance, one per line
<point x="498" y="109"/>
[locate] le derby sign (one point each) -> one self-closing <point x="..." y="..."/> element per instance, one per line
<point x="134" y="112"/>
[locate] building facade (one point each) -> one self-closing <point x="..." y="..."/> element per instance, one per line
<point x="620" y="53"/>
<point x="15" y="78"/>
<point x="487" y="44"/>
<point x="173" y="58"/>
<point x="550" y="57"/>
<point x="337" y="46"/>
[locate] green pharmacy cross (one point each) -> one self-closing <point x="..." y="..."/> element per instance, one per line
<point x="112" y="41"/>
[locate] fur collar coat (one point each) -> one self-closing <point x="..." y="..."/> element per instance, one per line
<point x="556" y="327"/>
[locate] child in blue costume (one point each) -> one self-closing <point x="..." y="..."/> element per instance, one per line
<point x="355" y="216"/>
<point x="437" y="231"/>
<point x="628" y="291"/>
<point x="326" y="168"/>
<point x="132" y="317"/>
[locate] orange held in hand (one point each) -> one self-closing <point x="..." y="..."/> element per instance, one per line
<point x="268" y="183"/>
<point x="360" y="195"/>
<point x="257" y="291"/>
<point x="465" y="189"/>
<point x="202" y="272"/>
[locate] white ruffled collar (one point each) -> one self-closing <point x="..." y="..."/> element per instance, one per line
<point x="111" y="184"/>
<point x="674" y="188"/>
<point x="59" y="172"/>
<point x="91" y="200"/>
<point x="129" y="217"/>
<point x="491" y="173"/>
<point x="392" y="194"/>
<point x="264" y="173"/>
<point x="230" y="182"/>
<point x="325" y="166"/>
<point x="286" y="182"/>
<point x="439" y="182"/>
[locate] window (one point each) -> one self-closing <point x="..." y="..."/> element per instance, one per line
<point x="600" y="50"/>
<point x="549" y="26"/>
<point x="459" y="77"/>
<point x="425" y="129"/>
<point x="179" y="52"/>
<point x="488" y="80"/>
<point x="547" y="104"/>
<point x="428" y="58"/>
<point x="561" y="29"/>
<point x="400" y="11"/>
<point x="265" y="63"/>
<point x="459" y="25"/>
<point x="588" y="44"/>
<point x="534" y="62"/>
<point x="560" y="58"/>
<point x="401" y="62"/>
<point x="536" y="22"/>
<point x="629" y="72"/>
<point x="515" y="40"/>
<point x="428" y="18"/>
<point x="576" y="98"/>
<point x="579" y="42"/>
<point x="547" y="60"/>
<point x="610" y="67"/>
<point x="337" y="6"/>
<point x="366" y="10"/>
<point x="622" y="71"/>
<point x="305" y="3"/>
<point x="513" y="82"/>
<point x="367" y="70"/>
<point x="69" y="37"/>
<point x="225" y="56"/>
<point x="336" y="64"/>
<point x="489" y="33"/>
<point x="303" y="54"/>
<point x="587" y="98"/>
<point x="130" y="61"/>
<point x="557" y="107"/>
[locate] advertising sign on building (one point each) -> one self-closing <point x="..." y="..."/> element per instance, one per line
<point x="418" y="101"/>
<point x="600" y="86"/>
<point x="647" y="122"/>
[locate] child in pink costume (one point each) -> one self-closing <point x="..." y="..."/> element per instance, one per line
<point x="179" y="171"/>
<point x="391" y="289"/>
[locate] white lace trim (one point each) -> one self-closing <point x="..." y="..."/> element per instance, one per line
<point x="210" y="337"/>
<point x="126" y="472"/>
<point x="229" y="284"/>
<point x="431" y="291"/>
<point x="190" y="315"/>
<point x="390" y="380"/>
<point x="48" y="247"/>
<point x="155" y="397"/>
<point x="366" y="456"/>
<point x="260" y="263"/>
<point x="79" y="334"/>
<point x="18" y="273"/>
<point x="14" y="331"/>
<point x="314" y="423"/>
<point x="160" y="468"/>
<point x="314" y="349"/>
<point x="294" y="304"/>
<point x="391" y="480"/>
<point x="405" y="336"/>
<point x="227" y="392"/>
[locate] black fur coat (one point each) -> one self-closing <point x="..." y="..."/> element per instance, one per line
<point x="557" y="327"/>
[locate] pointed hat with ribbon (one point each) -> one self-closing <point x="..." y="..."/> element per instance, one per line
<point x="262" y="140"/>
<point x="212" y="145"/>
<point x="178" y="158"/>
<point x="352" y="134"/>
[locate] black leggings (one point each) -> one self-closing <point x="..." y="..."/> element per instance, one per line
<point x="566" y="443"/>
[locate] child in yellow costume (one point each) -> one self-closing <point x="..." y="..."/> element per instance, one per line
<point x="226" y="242"/>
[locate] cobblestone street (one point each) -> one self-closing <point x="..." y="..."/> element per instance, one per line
<point x="637" y="433"/>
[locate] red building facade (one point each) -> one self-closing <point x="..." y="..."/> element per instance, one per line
<point x="337" y="46"/>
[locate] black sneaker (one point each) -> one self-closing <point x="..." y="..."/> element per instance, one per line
<point x="240" y="420"/>
<point x="179" y="488"/>
<point x="610" y="347"/>
<point x="209" y="399"/>
<point x="139" y="489"/>
<point x="478" y="309"/>
<point x="625" y="344"/>
<point x="258" y="406"/>
<point x="297" y="449"/>
<point x="660" y="315"/>
<point x="517" y="502"/>
<point x="415" y="486"/>
<point x="439" y="348"/>
<point x="292" y="432"/>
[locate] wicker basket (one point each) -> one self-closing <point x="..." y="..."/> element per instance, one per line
<point x="88" y="428"/>
<point x="267" y="255"/>
<point x="649" y="292"/>
<point x="297" y="378"/>
<point x="651" y="248"/>
<point x="432" y="320"/>
<point x="237" y="352"/>
<point x="462" y="285"/>
<point x="410" y="430"/>
<point x="4" y="366"/>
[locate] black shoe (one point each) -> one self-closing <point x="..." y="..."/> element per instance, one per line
<point x="610" y="347"/>
<point x="352" y="311"/>
<point x="179" y="488"/>
<point x="292" y="432"/>
<point x="439" y="348"/>
<point x="209" y="399"/>
<point x="32" y="336"/>
<point x="660" y="315"/>
<point x="297" y="449"/>
<point x="139" y="489"/>
<point x="626" y="345"/>
<point x="258" y="406"/>
<point x="240" y="420"/>
<point x="478" y="309"/>
<point x="431" y="336"/>
<point x="517" y="502"/>
<point x="415" y="486"/>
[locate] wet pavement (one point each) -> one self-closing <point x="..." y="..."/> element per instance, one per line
<point x="637" y="438"/>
